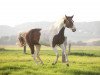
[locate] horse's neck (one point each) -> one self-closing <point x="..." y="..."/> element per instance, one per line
<point x="61" y="32"/>
<point x="57" y="27"/>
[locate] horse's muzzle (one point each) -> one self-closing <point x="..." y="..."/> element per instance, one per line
<point x="73" y="30"/>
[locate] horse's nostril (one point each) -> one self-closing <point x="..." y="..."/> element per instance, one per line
<point x="73" y="30"/>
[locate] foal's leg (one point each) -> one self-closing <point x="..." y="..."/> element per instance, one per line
<point x="57" y="55"/>
<point x="37" y="52"/>
<point x="64" y="53"/>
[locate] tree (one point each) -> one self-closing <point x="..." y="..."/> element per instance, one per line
<point x="96" y="43"/>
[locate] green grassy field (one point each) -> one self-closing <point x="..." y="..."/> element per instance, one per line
<point x="82" y="61"/>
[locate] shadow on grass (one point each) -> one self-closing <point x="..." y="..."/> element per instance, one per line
<point x="84" y="54"/>
<point x="2" y="49"/>
<point x="10" y="67"/>
<point x="84" y="73"/>
<point x="75" y="71"/>
<point x="14" y="51"/>
<point x="81" y="53"/>
<point x="6" y="70"/>
<point x="51" y="52"/>
<point x="5" y="50"/>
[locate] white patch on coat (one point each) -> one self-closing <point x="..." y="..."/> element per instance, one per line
<point x="45" y="37"/>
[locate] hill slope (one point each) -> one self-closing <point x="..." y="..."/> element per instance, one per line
<point x="85" y="30"/>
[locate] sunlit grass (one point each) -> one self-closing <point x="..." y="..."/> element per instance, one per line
<point x="83" y="61"/>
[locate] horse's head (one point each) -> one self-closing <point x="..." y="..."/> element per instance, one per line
<point x="21" y="40"/>
<point x="69" y="23"/>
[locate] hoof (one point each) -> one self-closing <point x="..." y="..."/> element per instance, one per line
<point x="53" y="63"/>
<point x="42" y="63"/>
<point x="67" y="65"/>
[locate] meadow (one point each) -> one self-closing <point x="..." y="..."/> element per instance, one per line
<point x="83" y="60"/>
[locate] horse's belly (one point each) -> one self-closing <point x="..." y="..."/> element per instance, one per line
<point x="44" y="38"/>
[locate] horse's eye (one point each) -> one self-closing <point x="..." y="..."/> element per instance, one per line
<point x="64" y="21"/>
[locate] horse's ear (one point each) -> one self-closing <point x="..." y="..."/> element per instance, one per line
<point x="72" y="16"/>
<point x="65" y="15"/>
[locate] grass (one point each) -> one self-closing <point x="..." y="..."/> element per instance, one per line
<point x="83" y="61"/>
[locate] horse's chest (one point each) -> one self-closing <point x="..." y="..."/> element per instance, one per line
<point x="57" y="40"/>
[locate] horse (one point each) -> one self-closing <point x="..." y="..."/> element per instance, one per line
<point x="52" y="36"/>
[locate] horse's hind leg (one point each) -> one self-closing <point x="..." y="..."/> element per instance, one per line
<point x="33" y="52"/>
<point x="37" y="52"/>
<point x="57" y="55"/>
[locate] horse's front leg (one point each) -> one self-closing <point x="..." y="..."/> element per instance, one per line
<point x="64" y="54"/>
<point x="57" y="55"/>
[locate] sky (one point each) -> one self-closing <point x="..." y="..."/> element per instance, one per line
<point x="15" y="12"/>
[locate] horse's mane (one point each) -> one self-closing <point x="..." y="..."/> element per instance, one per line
<point x="58" y="25"/>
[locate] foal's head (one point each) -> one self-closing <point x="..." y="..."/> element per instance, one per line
<point x="69" y="23"/>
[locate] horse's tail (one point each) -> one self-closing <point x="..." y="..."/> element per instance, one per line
<point x="21" y="41"/>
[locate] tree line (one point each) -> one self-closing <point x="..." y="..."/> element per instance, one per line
<point x="8" y="40"/>
<point x="11" y="40"/>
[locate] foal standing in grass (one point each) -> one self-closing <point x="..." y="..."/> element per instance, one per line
<point x="53" y="37"/>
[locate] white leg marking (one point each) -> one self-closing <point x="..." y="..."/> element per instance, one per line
<point x="57" y="55"/>
<point x="37" y="52"/>
<point x="65" y="43"/>
<point x="34" y="57"/>
<point x="64" y="53"/>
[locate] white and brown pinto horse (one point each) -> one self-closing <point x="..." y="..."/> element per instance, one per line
<point x="53" y="37"/>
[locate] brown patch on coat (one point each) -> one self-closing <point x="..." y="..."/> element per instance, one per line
<point x="32" y="38"/>
<point x="59" y="38"/>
